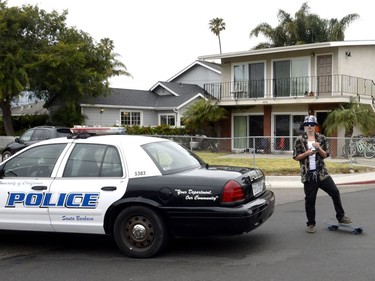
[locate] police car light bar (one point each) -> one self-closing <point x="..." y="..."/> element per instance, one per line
<point x="97" y="130"/>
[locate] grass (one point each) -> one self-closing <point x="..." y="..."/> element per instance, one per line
<point x="277" y="166"/>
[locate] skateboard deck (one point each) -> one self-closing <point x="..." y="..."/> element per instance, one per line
<point x="335" y="225"/>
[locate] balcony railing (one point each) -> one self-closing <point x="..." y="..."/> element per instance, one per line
<point x="318" y="86"/>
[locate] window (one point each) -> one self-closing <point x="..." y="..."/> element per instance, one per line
<point x="26" y="136"/>
<point x="249" y="80"/>
<point x="291" y="77"/>
<point x="170" y="157"/>
<point x="41" y="134"/>
<point x="167" y="119"/>
<point x="130" y="118"/>
<point x="35" y="162"/>
<point x="240" y="129"/>
<point x="287" y="127"/>
<point x="245" y="130"/>
<point x="93" y="160"/>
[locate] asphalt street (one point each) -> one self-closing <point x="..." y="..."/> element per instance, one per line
<point x="279" y="250"/>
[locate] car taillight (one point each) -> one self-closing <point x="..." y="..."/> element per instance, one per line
<point x="233" y="192"/>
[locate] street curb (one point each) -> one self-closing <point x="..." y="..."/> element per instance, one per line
<point x="339" y="179"/>
<point x="357" y="182"/>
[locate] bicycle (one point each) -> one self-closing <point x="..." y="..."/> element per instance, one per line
<point x="370" y="149"/>
<point x="359" y="147"/>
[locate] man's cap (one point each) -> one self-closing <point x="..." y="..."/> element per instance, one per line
<point x="310" y="119"/>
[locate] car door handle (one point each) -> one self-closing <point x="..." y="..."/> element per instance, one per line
<point x="39" y="187"/>
<point x="109" y="188"/>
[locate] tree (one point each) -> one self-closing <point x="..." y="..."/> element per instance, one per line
<point x="216" y="26"/>
<point x="203" y="116"/>
<point x="349" y="116"/>
<point x="305" y="28"/>
<point x="39" y="53"/>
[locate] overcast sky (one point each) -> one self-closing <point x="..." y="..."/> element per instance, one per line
<point x="158" y="38"/>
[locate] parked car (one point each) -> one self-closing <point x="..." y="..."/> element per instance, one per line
<point x="140" y="190"/>
<point x="34" y="135"/>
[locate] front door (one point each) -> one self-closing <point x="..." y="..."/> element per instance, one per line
<point x="24" y="187"/>
<point x="324" y="72"/>
<point x="282" y="132"/>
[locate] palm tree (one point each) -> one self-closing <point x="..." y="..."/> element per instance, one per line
<point x="202" y="117"/>
<point x="349" y="116"/>
<point x="216" y="26"/>
<point x="305" y="28"/>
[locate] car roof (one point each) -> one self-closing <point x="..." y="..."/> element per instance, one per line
<point x="50" y="127"/>
<point x="106" y="139"/>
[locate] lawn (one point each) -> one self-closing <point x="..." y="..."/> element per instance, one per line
<point x="285" y="166"/>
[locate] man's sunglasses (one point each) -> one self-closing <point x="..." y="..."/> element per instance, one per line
<point x="309" y="124"/>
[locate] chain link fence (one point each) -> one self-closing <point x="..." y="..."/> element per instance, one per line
<point x="266" y="145"/>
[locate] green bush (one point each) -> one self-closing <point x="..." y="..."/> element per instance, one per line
<point x="24" y="122"/>
<point x="156" y="130"/>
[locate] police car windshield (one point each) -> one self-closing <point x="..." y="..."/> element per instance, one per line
<point x="171" y="158"/>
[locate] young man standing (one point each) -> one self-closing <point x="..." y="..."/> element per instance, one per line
<point x="310" y="149"/>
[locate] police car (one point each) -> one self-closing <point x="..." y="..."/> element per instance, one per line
<point x="140" y="190"/>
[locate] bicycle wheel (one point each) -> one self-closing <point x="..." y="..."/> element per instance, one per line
<point x="369" y="151"/>
<point x="352" y="151"/>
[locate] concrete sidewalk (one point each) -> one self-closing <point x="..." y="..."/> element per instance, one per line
<point x="340" y="179"/>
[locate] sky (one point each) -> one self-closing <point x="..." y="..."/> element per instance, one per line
<point x="157" y="39"/>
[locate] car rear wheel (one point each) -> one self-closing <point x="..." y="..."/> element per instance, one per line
<point x="140" y="232"/>
<point x="5" y="155"/>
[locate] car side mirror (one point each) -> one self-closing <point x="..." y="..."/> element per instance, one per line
<point x="17" y="140"/>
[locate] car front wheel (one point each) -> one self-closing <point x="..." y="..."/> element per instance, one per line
<point x="140" y="232"/>
<point x="5" y="155"/>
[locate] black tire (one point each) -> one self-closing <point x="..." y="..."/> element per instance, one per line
<point x="5" y="155"/>
<point x="140" y="232"/>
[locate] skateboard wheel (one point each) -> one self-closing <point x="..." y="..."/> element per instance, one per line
<point x="332" y="227"/>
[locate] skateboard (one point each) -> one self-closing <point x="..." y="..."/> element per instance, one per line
<point x="334" y="225"/>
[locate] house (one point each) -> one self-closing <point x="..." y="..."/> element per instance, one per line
<point x="164" y="104"/>
<point x="269" y="91"/>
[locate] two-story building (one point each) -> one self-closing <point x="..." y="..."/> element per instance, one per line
<point x="269" y="91"/>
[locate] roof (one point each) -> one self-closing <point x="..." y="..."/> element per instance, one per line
<point x="288" y="49"/>
<point x="123" y="97"/>
<point x="177" y="95"/>
<point x="35" y="108"/>
<point x="209" y="65"/>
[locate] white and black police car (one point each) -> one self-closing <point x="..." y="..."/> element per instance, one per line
<point x="140" y="190"/>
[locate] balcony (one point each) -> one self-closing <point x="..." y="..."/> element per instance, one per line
<point x="332" y="89"/>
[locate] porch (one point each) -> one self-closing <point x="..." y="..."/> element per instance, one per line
<point x="324" y="89"/>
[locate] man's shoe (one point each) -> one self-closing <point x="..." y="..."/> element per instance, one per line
<point x="310" y="228"/>
<point x="345" y="220"/>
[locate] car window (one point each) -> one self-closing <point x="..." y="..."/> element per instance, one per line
<point x="93" y="160"/>
<point x="38" y="135"/>
<point x="170" y="157"/>
<point x="47" y="134"/>
<point x="35" y="162"/>
<point x="63" y="132"/>
<point x="26" y="136"/>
